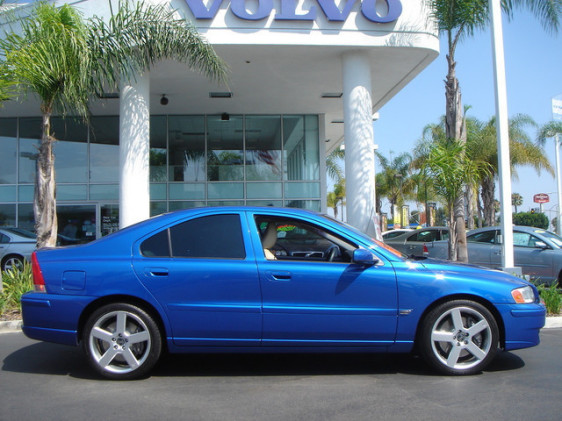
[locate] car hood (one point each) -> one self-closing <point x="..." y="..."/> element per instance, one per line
<point x="469" y="270"/>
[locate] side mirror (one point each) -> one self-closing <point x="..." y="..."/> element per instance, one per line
<point x="541" y="245"/>
<point x="364" y="257"/>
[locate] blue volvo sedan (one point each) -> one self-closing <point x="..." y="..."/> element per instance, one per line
<point x="241" y="279"/>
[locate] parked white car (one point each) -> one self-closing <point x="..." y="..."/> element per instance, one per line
<point x="16" y="245"/>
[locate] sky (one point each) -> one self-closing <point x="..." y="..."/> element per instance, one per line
<point x="533" y="61"/>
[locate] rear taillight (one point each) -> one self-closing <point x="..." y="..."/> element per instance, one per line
<point x="425" y="250"/>
<point x="38" y="281"/>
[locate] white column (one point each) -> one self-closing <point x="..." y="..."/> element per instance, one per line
<point x="134" y="149"/>
<point x="359" y="141"/>
<point x="558" y="184"/>
<point x="503" y="136"/>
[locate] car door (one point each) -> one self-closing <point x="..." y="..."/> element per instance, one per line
<point x="534" y="260"/>
<point x="313" y="295"/>
<point x="203" y="273"/>
<point x="483" y="249"/>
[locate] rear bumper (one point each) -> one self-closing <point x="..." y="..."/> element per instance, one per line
<point x="522" y="323"/>
<point x="52" y="318"/>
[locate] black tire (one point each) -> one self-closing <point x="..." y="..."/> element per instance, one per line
<point x="122" y="341"/>
<point x="459" y="337"/>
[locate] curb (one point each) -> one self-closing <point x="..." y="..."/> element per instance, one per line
<point x="15" y="325"/>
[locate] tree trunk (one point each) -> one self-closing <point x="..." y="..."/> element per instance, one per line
<point x="454" y="125"/>
<point x="44" y="206"/>
<point x="488" y="193"/>
<point x="452" y="238"/>
<point x="469" y="196"/>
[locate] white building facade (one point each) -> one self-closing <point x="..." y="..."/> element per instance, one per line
<point x="305" y="76"/>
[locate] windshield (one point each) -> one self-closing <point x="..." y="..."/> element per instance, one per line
<point x="21" y="232"/>
<point x="557" y="240"/>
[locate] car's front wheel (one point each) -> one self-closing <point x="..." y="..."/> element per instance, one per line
<point x="122" y="341"/>
<point x="459" y="337"/>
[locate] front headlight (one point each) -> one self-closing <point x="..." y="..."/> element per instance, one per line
<point x="523" y="295"/>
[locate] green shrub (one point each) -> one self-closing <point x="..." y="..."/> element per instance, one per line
<point x="15" y="283"/>
<point x="552" y="298"/>
<point x="530" y="219"/>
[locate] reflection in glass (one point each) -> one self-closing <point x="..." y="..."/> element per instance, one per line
<point x="77" y="224"/>
<point x="158" y="149"/>
<point x="186" y="139"/>
<point x="7" y="215"/>
<point x="30" y="137"/>
<point x="26" y="219"/>
<point x="263" y="148"/>
<point x="225" y="152"/>
<point x="300" y="139"/>
<point x="104" y="149"/>
<point x="8" y="150"/>
<point x="71" y="150"/>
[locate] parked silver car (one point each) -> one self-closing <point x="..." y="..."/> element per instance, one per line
<point x="16" y="245"/>
<point x="538" y="252"/>
<point x="411" y="242"/>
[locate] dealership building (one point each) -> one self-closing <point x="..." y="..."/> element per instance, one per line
<point x="305" y="76"/>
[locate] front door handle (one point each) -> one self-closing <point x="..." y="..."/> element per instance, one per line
<point x="279" y="276"/>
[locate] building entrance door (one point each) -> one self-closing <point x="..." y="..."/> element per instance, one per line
<point x="109" y="217"/>
<point x="77" y="224"/>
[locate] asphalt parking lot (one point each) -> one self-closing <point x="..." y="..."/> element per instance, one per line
<point x="52" y="382"/>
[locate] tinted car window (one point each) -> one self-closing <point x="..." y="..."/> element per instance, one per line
<point x="425" y="236"/>
<point x="156" y="246"/>
<point x="483" y="237"/>
<point x="217" y="236"/>
<point x="4" y="239"/>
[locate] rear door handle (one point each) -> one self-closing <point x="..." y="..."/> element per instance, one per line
<point x="156" y="272"/>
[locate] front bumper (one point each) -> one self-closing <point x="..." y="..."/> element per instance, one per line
<point x="522" y="323"/>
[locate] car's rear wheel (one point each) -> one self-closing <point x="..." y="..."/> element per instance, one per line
<point x="12" y="262"/>
<point x="122" y="341"/>
<point x="459" y="337"/>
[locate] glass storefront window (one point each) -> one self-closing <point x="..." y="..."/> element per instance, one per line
<point x="7" y="215"/>
<point x="263" y="148"/>
<point x="301" y="149"/>
<point x="158" y="148"/>
<point x="71" y="150"/>
<point x="30" y="137"/>
<point x="26" y="219"/>
<point x="186" y="140"/>
<point x="8" y="150"/>
<point x="225" y="150"/>
<point x="104" y="149"/>
<point x="7" y="193"/>
<point x="195" y="161"/>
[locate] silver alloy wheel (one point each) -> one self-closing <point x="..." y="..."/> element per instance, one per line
<point x="12" y="262"/>
<point x="461" y="338"/>
<point x="119" y="342"/>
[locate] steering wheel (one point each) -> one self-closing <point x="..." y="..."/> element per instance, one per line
<point x="332" y="253"/>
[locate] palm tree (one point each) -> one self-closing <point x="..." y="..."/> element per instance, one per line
<point x="523" y="151"/>
<point x="332" y="164"/>
<point x="516" y="200"/>
<point x="337" y="197"/>
<point x="66" y="62"/>
<point x="394" y="181"/>
<point x="446" y="163"/>
<point x="457" y="19"/>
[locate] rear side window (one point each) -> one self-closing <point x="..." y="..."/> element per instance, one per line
<point x="216" y="236"/>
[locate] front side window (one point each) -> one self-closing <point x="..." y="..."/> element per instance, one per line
<point x="425" y="236"/>
<point x="291" y="239"/>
